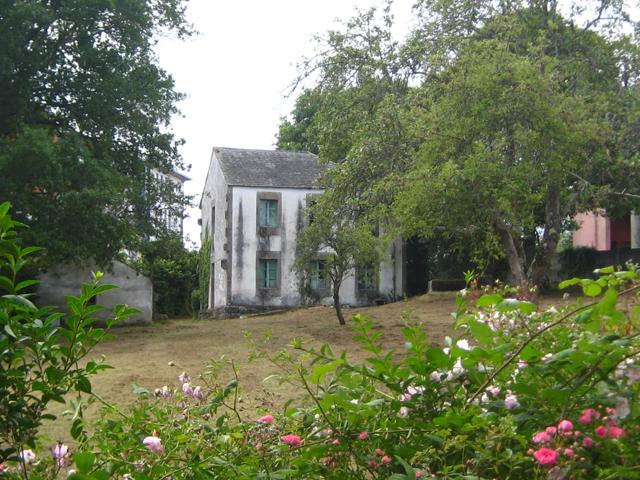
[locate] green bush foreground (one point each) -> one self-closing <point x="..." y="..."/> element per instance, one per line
<point x="521" y="392"/>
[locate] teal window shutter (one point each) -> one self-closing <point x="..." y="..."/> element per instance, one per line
<point x="267" y="273"/>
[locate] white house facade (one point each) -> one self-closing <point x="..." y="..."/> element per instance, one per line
<point x="252" y="209"/>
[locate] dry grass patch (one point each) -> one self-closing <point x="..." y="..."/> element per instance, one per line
<point x="141" y="355"/>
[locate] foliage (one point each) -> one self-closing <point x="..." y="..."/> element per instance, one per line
<point x="204" y="270"/>
<point x="173" y="272"/>
<point x="41" y="350"/>
<point x="489" y="126"/>
<point x="521" y="392"/>
<point x="298" y="134"/>
<point x="85" y="111"/>
<point x="336" y="236"/>
<point x="578" y="261"/>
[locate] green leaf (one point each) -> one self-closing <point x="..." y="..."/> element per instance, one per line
<point x="84" y="461"/>
<point x="591" y="289"/>
<point x="605" y="270"/>
<point x="568" y="283"/>
<point x="26" y="283"/>
<point x="84" y="385"/>
<point x="20" y="301"/>
<point x="527" y="307"/>
<point x="437" y="357"/>
<point x="481" y="332"/>
<point x="7" y="328"/>
<point x="608" y="303"/>
<point x="320" y="372"/>
<point x="141" y="391"/>
<point x="489" y="300"/>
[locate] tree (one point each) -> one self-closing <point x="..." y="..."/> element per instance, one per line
<point x="492" y="124"/>
<point x="85" y="111"/>
<point x="298" y="134"/>
<point x="337" y="239"/>
<point x="173" y="270"/>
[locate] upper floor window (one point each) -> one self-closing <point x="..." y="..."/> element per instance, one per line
<point x="268" y="212"/>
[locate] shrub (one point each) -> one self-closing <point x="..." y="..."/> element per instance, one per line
<point x="40" y="350"/>
<point x="521" y="392"/>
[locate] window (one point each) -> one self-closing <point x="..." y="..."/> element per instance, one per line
<point x="268" y="212"/>
<point x="367" y="277"/>
<point x="319" y="275"/>
<point x="267" y="273"/>
<point x="311" y="203"/>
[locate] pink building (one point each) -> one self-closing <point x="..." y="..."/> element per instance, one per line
<point x="603" y="233"/>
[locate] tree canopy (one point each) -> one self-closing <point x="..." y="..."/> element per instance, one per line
<point x="84" y="125"/>
<point x="492" y="124"/>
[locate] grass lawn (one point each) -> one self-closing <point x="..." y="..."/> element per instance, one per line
<point x="141" y="355"/>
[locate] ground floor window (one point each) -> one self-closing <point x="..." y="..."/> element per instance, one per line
<point x="366" y="277"/>
<point x="267" y="273"/>
<point x="319" y="275"/>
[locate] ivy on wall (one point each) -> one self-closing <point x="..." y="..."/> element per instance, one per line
<point x="204" y="270"/>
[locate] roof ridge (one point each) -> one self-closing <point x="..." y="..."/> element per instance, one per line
<point x="265" y="150"/>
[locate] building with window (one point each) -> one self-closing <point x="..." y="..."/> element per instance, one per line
<point x="252" y="209"/>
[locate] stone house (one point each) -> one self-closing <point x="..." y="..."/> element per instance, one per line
<point x="252" y="208"/>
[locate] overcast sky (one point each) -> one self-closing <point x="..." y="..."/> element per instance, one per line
<point x="236" y="72"/>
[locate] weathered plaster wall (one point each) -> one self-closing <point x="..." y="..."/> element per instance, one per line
<point x="215" y="195"/>
<point x="134" y="289"/>
<point x="247" y="241"/>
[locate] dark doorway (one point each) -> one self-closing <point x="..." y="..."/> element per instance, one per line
<point x="417" y="258"/>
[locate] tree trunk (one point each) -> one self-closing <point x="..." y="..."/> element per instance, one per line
<point x="336" y="303"/>
<point x="511" y="250"/>
<point x="539" y="269"/>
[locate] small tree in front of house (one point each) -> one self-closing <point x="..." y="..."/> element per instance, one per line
<point x="332" y="246"/>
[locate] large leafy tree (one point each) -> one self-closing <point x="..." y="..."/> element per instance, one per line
<point x="491" y="125"/>
<point x="84" y="125"/>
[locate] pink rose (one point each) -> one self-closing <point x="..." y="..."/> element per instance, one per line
<point x="154" y="444"/>
<point x="616" y="432"/>
<point x="546" y="456"/>
<point x="291" y="440"/>
<point x="363" y="436"/>
<point x="385" y="460"/>
<point x="551" y="430"/>
<point x="569" y="453"/>
<point x="541" y="437"/>
<point x="565" y="426"/>
<point x="601" y="431"/>
<point x="587" y="442"/>
<point x="268" y="419"/>
<point x="588" y="415"/>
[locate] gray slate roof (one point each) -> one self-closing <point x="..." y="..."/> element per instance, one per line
<point x="269" y="168"/>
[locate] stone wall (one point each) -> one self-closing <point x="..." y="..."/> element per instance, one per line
<point x="135" y="290"/>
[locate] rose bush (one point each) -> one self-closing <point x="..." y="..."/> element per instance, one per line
<point x="521" y="392"/>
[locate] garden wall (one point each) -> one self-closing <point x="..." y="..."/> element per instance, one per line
<point x="135" y="290"/>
